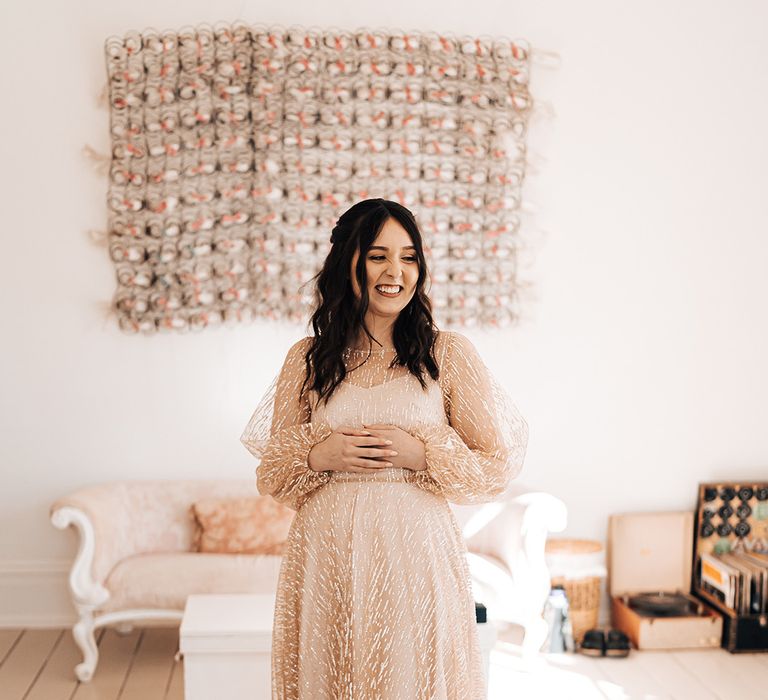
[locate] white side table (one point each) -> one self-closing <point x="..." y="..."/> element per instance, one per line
<point x="226" y="641"/>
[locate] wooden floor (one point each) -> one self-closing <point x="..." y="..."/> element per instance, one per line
<point x="38" y="665"/>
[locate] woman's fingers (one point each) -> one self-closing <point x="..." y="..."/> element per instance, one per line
<point x="374" y="452"/>
<point x="375" y="440"/>
<point x="352" y="431"/>
<point x="371" y="463"/>
<point x="381" y="432"/>
<point x="366" y="438"/>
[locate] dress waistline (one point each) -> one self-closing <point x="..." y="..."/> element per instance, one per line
<point x="387" y="474"/>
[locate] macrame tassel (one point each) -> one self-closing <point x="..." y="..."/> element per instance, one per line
<point x="103" y="99"/>
<point x="97" y="236"/>
<point x="542" y="109"/>
<point x="546" y="58"/>
<point x="106" y="310"/>
<point x="533" y="162"/>
<point x="100" y="161"/>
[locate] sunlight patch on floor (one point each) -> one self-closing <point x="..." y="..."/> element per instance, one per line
<point x="540" y="678"/>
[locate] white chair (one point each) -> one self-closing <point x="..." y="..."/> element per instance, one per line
<point x="505" y="542"/>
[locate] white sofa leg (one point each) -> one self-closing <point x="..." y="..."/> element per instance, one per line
<point x="544" y="513"/>
<point x="87" y="595"/>
<point x="536" y="631"/>
<point x="85" y="638"/>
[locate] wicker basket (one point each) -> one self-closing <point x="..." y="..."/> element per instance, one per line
<point x="583" y="593"/>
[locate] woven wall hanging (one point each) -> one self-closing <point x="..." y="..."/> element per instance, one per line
<point x="234" y="150"/>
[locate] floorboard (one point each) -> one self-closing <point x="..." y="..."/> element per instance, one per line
<point x="115" y="658"/>
<point x="25" y="661"/>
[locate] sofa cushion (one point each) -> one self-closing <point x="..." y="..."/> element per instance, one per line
<point x="250" y="525"/>
<point x="165" y="580"/>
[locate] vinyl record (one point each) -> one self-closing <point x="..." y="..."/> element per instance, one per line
<point x="662" y="604"/>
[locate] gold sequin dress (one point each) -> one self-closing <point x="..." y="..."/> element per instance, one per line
<point x="374" y="597"/>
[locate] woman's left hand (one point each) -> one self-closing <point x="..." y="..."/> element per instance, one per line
<point x="410" y="450"/>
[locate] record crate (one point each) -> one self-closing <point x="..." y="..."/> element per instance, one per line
<point x="733" y="517"/>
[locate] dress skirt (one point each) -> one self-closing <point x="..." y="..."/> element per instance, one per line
<point x="374" y="597"/>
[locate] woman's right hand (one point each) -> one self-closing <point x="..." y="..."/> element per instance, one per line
<point x="350" y="450"/>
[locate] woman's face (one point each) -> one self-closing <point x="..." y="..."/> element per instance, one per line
<point x="390" y="262"/>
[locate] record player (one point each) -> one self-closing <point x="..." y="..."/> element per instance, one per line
<point x="649" y="577"/>
<point x="663" y="604"/>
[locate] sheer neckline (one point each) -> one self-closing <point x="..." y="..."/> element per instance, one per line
<point x="376" y="386"/>
<point x="373" y="351"/>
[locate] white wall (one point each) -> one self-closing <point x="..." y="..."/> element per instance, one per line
<point x="640" y="364"/>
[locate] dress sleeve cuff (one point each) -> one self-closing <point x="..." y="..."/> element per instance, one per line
<point x="284" y="471"/>
<point x="461" y="475"/>
<point x="437" y="440"/>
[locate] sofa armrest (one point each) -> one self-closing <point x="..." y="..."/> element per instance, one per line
<point x="515" y="530"/>
<point x="106" y="525"/>
<point x="86" y="591"/>
<point x="514" y="527"/>
<point x="542" y="514"/>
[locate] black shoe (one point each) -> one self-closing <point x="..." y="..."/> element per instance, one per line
<point x="617" y="644"/>
<point x="593" y="643"/>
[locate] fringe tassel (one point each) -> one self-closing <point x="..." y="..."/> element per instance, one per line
<point x="106" y="310"/>
<point x="546" y="59"/>
<point x="543" y="110"/>
<point x="100" y="161"/>
<point x="97" y="237"/>
<point x="103" y="99"/>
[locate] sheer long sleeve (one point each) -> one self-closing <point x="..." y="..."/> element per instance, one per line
<point x="475" y="456"/>
<point x="281" y="436"/>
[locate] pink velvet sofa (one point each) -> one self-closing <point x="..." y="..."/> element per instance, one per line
<point x="134" y="563"/>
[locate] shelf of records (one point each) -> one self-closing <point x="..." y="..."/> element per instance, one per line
<point x="731" y="560"/>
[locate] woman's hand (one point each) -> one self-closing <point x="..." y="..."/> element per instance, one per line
<point x="410" y="450"/>
<point x="351" y="450"/>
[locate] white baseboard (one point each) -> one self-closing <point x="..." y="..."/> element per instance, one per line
<point x="35" y="593"/>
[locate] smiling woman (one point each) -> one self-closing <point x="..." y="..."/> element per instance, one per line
<point x="368" y="446"/>
<point x="392" y="272"/>
<point x="377" y="246"/>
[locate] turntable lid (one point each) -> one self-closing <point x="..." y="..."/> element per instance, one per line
<point x="650" y="552"/>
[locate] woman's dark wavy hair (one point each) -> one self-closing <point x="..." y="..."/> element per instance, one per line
<point x="339" y="315"/>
